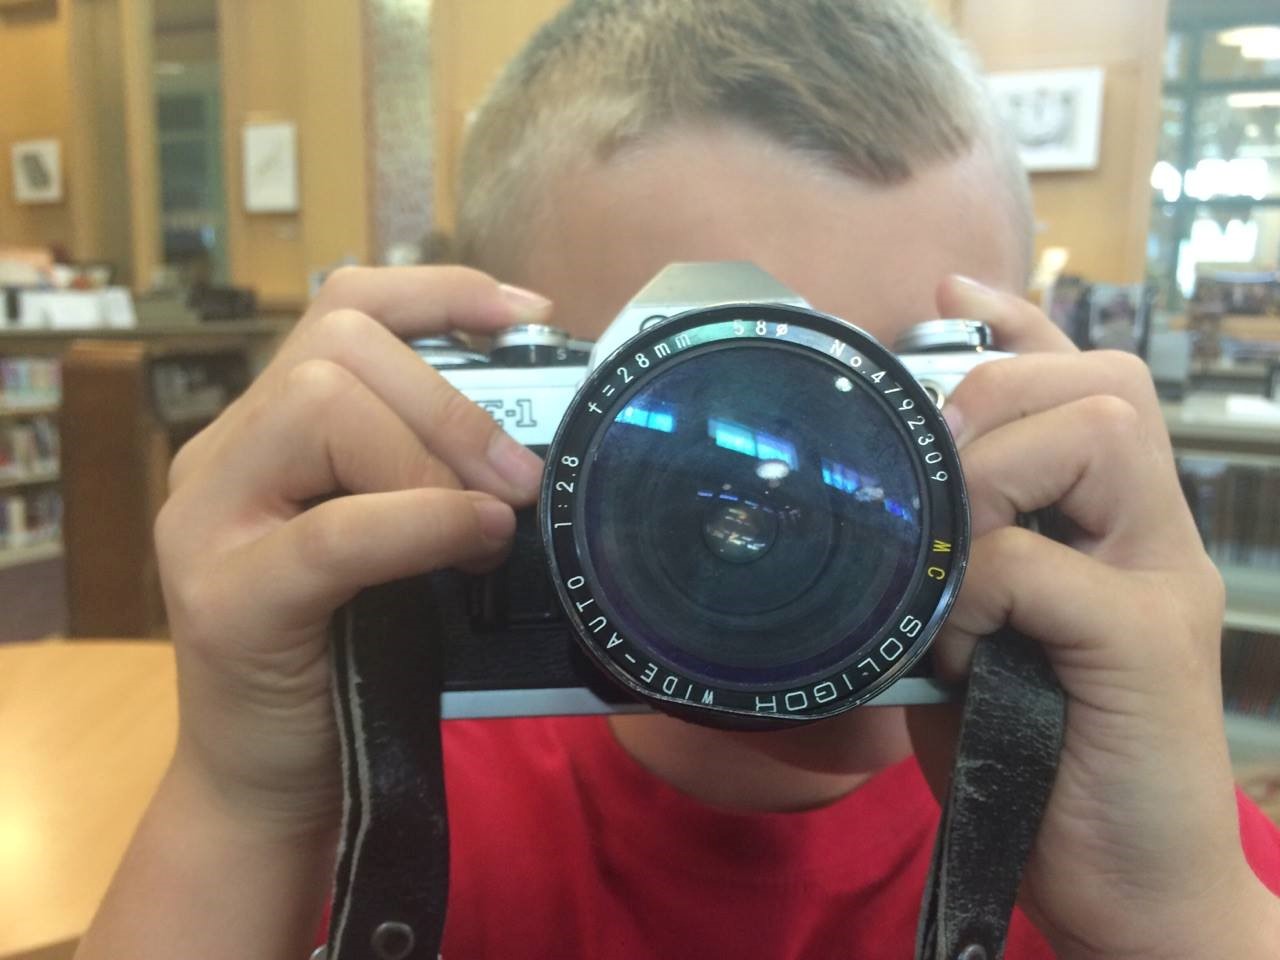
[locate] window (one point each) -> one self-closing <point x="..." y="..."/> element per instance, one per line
<point x="1215" y="188"/>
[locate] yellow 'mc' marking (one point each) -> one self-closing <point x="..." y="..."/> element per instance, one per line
<point x="941" y="546"/>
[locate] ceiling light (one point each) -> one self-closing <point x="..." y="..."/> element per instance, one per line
<point x="1248" y="100"/>
<point x="1255" y="43"/>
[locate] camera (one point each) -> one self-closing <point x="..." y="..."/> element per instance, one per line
<point x="752" y="513"/>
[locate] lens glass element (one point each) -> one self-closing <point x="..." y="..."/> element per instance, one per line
<point x="753" y="513"/>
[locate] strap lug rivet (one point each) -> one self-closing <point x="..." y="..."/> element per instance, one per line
<point x="393" y="941"/>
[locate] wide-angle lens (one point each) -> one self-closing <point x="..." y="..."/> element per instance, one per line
<point x="752" y="514"/>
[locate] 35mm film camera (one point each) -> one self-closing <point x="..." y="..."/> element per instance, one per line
<point x="753" y="513"/>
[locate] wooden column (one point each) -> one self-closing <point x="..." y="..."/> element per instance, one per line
<point x="137" y="23"/>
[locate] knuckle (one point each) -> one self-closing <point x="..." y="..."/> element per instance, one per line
<point x="191" y="600"/>
<point x="189" y="593"/>
<point x="345" y="326"/>
<point x="1127" y="366"/>
<point x="422" y="469"/>
<point x="178" y="466"/>
<point x="184" y="460"/>
<point x="1214" y="587"/>
<point x="1112" y="416"/>
<point x="167" y="527"/>
<point x="1131" y="375"/>
<point x="986" y="381"/>
<point x="318" y="383"/>
<point x="456" y="410"/>
<point x="1013" y="547"/>
<point x="341" y="283"/>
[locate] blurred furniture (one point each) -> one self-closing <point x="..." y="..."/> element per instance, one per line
<point x="87" y="731"/>
<point x="126" y="408"/>
<point x="31" y="576"/>
<point x="1228" y="452"/>
<point x="32" y="590"/>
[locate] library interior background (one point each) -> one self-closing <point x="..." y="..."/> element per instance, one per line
<point x="177" y="177"/>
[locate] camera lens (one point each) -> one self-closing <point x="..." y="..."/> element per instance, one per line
<point x="739" y="532"/>
<point x="752" y="514"/>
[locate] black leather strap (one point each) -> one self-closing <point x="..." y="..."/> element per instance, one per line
<point x="1006" y="759"/>
<point x="392" y="880"/>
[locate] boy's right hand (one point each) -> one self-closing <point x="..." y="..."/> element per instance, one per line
<point x="348" y="462"/>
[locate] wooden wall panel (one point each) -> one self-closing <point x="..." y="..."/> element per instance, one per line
<point x="333" y="132"/>
<point x="301" y="62"/>
<point x="471" y="40"/>
<point x="99" y="178"/>
<point x="80" y="71"/>
<point x="1100" y="215"/>
<point x="137" y="46"/>
<point x="35" y="104"/>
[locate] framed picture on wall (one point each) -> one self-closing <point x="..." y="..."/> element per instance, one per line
<point x="1055" y="116"/>
<point x="37" y="171"/>
<point x="271" y="167"/>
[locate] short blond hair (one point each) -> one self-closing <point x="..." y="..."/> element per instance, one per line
<point x="877" y="89"/>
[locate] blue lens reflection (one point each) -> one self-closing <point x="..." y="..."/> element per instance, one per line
<point x="739" y="573"/>
<point x="753" y="443"/>
<point x="864" y="488"/>
<point x="663" y="421"/>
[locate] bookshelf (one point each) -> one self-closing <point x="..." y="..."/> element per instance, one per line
<point x="29" y="478"/>
<point x="18" y="556"/>
<point x="41" y="568"/>
<point x="127" y="406"/>
<point x="1228" y="450"/>
<point x="1252" y="739"/>
<point x="11" y="410"/>
<point x="30" y="501"/>
<point x="1253" y="600"/>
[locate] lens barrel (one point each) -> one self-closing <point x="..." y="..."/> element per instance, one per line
<point x="753" y="513"/>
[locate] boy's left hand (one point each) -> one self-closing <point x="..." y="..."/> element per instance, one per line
<point x="1139" y="852"/>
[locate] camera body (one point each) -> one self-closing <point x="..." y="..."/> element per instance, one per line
<point x="725" y="468"/>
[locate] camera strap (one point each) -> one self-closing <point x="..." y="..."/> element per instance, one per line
<point x="1006" y="760"/>
<point x="392" y="877"/>
<point x="391" y="886"/>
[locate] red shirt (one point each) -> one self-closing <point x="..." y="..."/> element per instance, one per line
<point x="563" y="846"/>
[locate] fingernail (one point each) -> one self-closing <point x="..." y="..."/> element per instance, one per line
<point x="497" y="520"/>
<point x="529" y="307"/>
<point x="518" y="465"/>
<point x="955" y="422"/>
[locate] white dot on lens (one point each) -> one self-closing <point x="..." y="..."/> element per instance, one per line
<point x="844" y="384"/>
<point x="772" y="470"/>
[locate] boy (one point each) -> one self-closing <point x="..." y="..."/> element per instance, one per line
<point x="846" y="148"/>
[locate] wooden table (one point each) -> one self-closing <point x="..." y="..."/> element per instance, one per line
<point x="86" y="729"/>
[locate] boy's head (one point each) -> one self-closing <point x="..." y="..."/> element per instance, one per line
<point x="872" y="91"/>
<point x="845" y="146"/>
